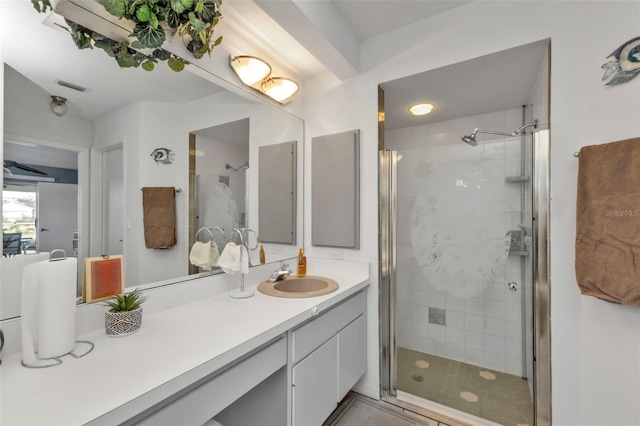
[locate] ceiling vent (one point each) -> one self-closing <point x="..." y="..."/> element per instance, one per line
<point x="70" y="85"/>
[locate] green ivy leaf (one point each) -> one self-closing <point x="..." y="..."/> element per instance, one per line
<point x="197" y="24"/>
<point x="176" y="64"/>
<point x="149" y="37"/>
<point x="199" y="7"/>
<point x="116" y="7"/>
<point x="210" y="11"/>
<point x="154" y="20"/>
<point x="137" y="45"/>
<point x="148" y="65"/>
<point x="188" y="4"/>
<point x="177" y="6"/>
<point x="43" y="8"/>
<point x="218" y="41"/>
<point x="143" y="13"/>
<point x="125" y="60"/>
<point x="173" y="19"/>
<point x="161" y="54"/>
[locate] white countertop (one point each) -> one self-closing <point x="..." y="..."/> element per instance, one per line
<point x="173" y="348"/>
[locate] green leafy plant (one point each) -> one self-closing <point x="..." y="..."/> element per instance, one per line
<point x="193" y="20"/>
<point x="127" y="301"/>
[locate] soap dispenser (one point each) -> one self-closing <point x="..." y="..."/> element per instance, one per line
<point x="302" y="263"/>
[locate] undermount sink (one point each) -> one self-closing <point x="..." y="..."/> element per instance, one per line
<point x="294" y="286"/>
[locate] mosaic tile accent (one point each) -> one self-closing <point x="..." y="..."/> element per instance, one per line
<point x="468" y="396"/>
<point x="422" y="364"/>
<point x="506" y="399"/>
<point x="487" y="375"/>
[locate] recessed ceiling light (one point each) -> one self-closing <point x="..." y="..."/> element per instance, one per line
<point x="420" y="109"/>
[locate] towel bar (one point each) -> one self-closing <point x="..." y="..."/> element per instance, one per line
<point x="177" y="189"/>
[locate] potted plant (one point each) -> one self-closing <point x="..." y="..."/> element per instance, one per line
<point x="193" y="20"/>
<point x="125" y="314"/>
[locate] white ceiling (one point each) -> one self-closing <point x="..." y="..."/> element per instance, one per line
<point x="370" y="18"/>
<point x="490" y="83"/>
<point x="44" y="55"/>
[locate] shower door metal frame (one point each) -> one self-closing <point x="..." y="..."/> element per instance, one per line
<point x="541" y="290"/>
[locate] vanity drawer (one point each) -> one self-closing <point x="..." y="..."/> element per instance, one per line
<point x="314" y="333"/>
<point x="204" y="402"/>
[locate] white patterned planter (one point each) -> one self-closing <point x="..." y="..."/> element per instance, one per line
<point x="118" y="324"/>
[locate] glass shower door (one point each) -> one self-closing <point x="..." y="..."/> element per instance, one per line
<point x="463" y="312"/>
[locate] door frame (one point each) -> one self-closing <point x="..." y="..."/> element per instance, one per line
<point x="541" y="274"/>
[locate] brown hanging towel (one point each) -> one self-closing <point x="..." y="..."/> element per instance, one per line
<point x="608" y="222"/>
<point x="159" y="217"/>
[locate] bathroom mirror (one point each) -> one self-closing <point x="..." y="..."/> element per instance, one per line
<point x="119" y="141"/>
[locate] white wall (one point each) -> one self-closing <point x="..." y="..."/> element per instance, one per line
<point x="595" y="345"/>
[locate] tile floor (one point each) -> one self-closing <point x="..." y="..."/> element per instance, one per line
<point x="492" y="395"/>
<point x="358" y="410"/>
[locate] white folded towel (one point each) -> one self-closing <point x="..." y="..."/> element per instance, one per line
<point x="234" y="258"/>
<point x="204" y="255"/>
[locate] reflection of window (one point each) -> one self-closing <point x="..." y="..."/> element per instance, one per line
<point x="19" y="211"/>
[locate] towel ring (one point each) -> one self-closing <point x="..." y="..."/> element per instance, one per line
<point x="55" y="259"/>
<point x="204" y="229"/>
<point x="257" y="239"/>
<point x="239" y="232"/>
<point x="220" y="230"/>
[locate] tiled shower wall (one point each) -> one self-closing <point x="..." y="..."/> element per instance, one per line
<point x="485" y="330"/>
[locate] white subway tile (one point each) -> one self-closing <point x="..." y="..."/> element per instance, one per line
<point x="438" y="347"/>
<point x="494" y="326"/>
<point x="473" y="121"/>
<point x="513" y="329"/>
<point x="454" y="125"/>
<point x="455" y="303"/>
<point x="455" y="352"/>
<point x="421" y="328"/>
<point x="513" y="311"/>
<point x="514" y="366"/>
<point x="474" y="153"/>
<point x="474" y="340"/>
<point x="437" y="332"/>
<point x="474" y="323"/>
<point x="494" y="344"/>
<point x="437" y="139"/>
<point x="512" y="168"/>
<point x="494" y="308"/>
<point x="474" y="356"/>
<point x="455" y="335"/>
<point x="494" y="361"/>
<point x="438" y="300"/>
<point x="455" y="319"/>
<point x="421" y="297"/>
<point x="495" y="167"/>
<point x="494" y="151"/>
<point x="438" y="127"/>
<point x="512" y="149"/>
<point x="474" y="305"/>
<point x="421" y="313"/>
<point x="514" y="348"/>
<point x="495" y="291"/>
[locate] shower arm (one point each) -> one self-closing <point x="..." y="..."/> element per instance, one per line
<point x="533" y="124"/>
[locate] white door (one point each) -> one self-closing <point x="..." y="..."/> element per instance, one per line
<point x="113" y="202"/>
<point x="57" y="216"/>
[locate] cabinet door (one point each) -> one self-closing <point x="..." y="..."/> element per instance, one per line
<point x="315" y="384"/>
<point x="352" y="355"/>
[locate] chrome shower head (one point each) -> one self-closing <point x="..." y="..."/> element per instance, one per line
<point x="470" y="139"/>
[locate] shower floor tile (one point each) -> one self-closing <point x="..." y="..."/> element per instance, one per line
<point x="499" y="397"/>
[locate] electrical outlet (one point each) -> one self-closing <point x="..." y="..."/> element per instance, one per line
<point x="337" y="254"/>
<point x="276" y="249"/>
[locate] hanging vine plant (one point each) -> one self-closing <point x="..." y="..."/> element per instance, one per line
<point x="193" y="20"/>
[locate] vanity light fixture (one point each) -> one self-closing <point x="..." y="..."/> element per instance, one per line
<point x="421" y="109"/>
<point x="279" y="88"/>
<point x="256" y="73"/>
<point x="58" y="105"/>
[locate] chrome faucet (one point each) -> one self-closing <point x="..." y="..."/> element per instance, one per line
<point x="280" y="274"/>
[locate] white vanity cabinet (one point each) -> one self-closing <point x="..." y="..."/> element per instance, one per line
<point x="329" y="357"/>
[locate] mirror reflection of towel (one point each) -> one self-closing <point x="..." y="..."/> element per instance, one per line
<point x="159" y="217"/>
<point x="234" y="258"/>
<point x="204" y="255"/>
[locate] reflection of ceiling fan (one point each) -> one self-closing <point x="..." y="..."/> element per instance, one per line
<point x="10" y="163"/>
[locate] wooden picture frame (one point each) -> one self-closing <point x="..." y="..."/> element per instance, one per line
<point x="103" y="278"/>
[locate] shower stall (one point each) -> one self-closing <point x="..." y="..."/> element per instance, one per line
<point x="459" y="220"/>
